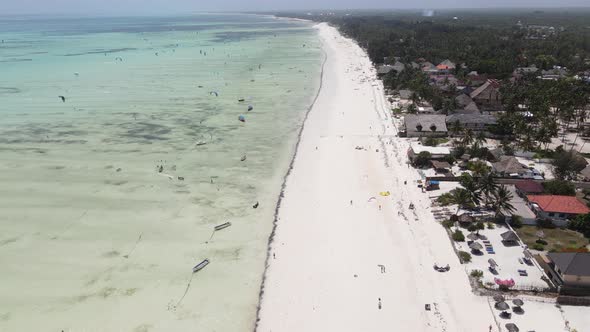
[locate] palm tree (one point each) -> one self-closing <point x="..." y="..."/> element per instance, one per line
<point x="479" y="168"/>
<point x="472" y="188"/>
<point x="488" y="186"/>
<point x="480" y="138"/>
<point x="467" y="137"/>
<point x="462" y="198"/>
<point x="456" y="128"/>
<point x="527" y="143"/>
<point x="415" y="98"/>
<point x="501" y="203"/>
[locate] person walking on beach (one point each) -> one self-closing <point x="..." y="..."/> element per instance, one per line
<point x="351" y="202"/>
<point x="379" y="304"/>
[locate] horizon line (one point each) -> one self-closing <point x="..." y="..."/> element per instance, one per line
<point x="267" y="11"/>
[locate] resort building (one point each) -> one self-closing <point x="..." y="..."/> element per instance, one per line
<point x="570" y="271"/>
<point x="509" y="166"/>
<point x="487" y="97"/>
<point x="436" y="152"/>
<point x="425" y="125"/>
<point x="386" y="69"/>
<point x="558" y="209"/>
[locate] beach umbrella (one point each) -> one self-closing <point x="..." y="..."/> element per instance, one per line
<point x="472" y="236"/>
<point x="476" y="246"/>
<point x="242" y="118"/>
<point x="502" y="306"/>
<point x="518" y="302"/>
<point x="494" y="264"/>
<point x="511" y="327"/>
<point x="499" y="298"/>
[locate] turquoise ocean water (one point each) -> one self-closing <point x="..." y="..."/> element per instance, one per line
<point x="109" y="199"/>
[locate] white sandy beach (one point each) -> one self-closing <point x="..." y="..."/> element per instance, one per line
<point x="323" y="272"/>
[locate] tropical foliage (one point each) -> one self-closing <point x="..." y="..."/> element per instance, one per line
<point x="581" y="224"/>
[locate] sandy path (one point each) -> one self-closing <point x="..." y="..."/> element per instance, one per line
<point x="323" y="272"/>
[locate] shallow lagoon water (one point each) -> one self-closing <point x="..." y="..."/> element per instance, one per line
<point x="92" y="235"/>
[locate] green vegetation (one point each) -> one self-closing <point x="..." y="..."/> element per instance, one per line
<point x="542" y="242"/>
<point x="422" y="159"/>
<point x="581" y="224"/>
<point x="477" y="274"/>
<point x="559" y="187"/>
<point x="445" y="199"/>
<point x="493" y="44"/>
<point x="545" y="223"/>
<point x="489" y="42"/>
<point x="464" y="257"/>
<point x="433" y="141"/>
<point x="533" y="109"/>
<point x="448" y="223"/>
<point x="495" y="197"/>
<point x="478" y="167"/>
<point x="557" y="239"/>
<point x="544" y="154"/>
<point x="458" y="236"/>
<point x="516" y="221"/>
<point x="567" y="164"/>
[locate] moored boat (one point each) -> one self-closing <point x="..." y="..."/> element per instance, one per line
<point x="200" y="266"/>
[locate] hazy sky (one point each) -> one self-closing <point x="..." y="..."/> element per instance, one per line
<point x="176" y="6"/>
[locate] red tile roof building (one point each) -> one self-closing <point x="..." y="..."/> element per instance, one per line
<point x="557" y="208"/>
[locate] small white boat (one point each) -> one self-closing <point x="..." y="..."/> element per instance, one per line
<point x="200" y="266"/>
<point x="222" y="226"/>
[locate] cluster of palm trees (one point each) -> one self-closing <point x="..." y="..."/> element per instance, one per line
<point x="468" y="136"/>
<point x="483" y="190"/>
